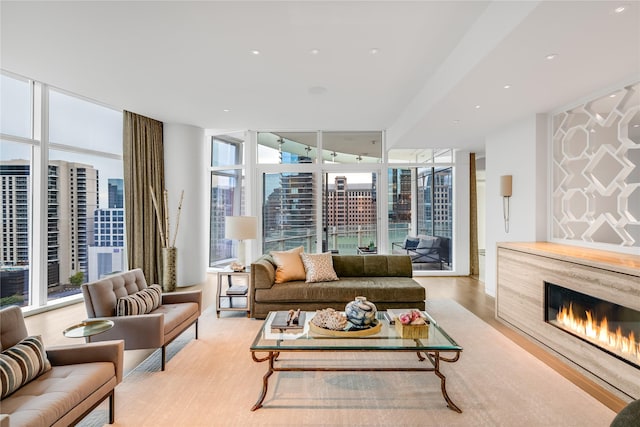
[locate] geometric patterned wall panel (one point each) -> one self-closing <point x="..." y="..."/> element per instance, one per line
<point x="596" y="171"/>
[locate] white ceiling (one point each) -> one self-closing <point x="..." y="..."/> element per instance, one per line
<point x="186" y="62"/>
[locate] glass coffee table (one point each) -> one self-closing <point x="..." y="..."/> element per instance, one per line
<point x="437" y="347"/>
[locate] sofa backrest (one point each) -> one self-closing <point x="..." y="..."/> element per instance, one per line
<point x="12" y="327"/>
<point x="372" y="265"/>
<point x="263" y="269"/>
<point x="101" y="296"/>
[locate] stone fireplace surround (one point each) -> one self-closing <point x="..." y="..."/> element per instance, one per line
<point x="520" y="302"/>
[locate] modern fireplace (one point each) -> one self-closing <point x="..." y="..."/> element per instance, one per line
<point x="610" y="327"/>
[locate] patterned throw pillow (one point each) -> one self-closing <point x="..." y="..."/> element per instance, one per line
<point x="156" y="295"/>
<point x="319" y="267"/>
<point x="22" y="363"/>
<point x="139" y="303"/>
<point x="289" y="266"/>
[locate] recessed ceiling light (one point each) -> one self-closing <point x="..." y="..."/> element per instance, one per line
<point x="636" y="126"/>
<point x="620" y="9"/>
<point x="477" y="107"/>
<point x="551" y="56"/>
<point x="314" y="51"/>
<point x="255" y="52"/>
<point x="456" y="122"/>
<point x="374" y="51"/>
<point x="226" y="110"/>
<point x="317" y="90"/>
<point x="613" y="95"/>
<point x="507" y="86"/>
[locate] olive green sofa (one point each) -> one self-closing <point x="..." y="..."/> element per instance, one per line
<point x="386" y="280"/>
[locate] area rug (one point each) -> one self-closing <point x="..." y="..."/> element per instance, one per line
<point x="212" y="381"/>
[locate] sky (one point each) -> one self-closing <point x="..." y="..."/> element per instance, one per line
<point x="74" y="123"/>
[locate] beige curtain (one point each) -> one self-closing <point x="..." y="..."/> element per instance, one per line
<point x="143" y="168"/>
<point x="474" y="263"/>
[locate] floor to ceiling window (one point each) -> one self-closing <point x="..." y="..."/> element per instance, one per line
<point x="319" y="190"/>
<point x="66" y="194"/>
<point x="420" y="207"/>
<point x="351" y="173"/>
<point x="227" y="195"/>
<point x="399" y="201"/>
<point x="15" y="175"/>
<point x="289" y="195"/>
<point x="350" y="212"/>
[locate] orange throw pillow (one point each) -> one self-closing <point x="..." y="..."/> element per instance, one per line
<point x="289" y="265"/>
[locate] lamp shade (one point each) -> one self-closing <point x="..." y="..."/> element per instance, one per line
<point x="240" y="227"/>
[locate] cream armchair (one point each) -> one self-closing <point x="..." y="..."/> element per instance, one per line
<point x="156" y="329"/>
<point x="80" y="378"/>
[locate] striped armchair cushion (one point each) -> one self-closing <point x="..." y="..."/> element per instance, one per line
<point x="22" y="363"/>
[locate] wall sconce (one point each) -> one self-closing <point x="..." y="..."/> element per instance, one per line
<point x="506" y="188"/>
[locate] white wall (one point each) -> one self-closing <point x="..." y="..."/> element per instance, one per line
<point x="186" y="163"/>
<point x="519" y="150"/>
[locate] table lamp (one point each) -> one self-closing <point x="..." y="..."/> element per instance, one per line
<point x="240" y="228"/>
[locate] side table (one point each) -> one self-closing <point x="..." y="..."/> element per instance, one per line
<point x="367" y="250"/>
<point x="88" y="328"/>
<point x="233" y="291"/>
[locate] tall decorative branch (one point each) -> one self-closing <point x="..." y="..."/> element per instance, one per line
<point x="158" y="217"/>
<point x="163" y="226"/>
<point x="175" y="235"/>
<point x="165" y="196"/>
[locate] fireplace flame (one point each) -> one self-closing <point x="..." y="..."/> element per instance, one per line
<point x="597" y="331"/>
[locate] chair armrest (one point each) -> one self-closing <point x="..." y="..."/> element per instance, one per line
<point x="138" y="331"/>
<point x="186" y="296"/>
<point x="108" y="351"/>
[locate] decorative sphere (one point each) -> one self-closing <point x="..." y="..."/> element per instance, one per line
<point x="361" y="312"/>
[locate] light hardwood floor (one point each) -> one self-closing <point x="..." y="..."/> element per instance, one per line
<point x="467" y="291"/>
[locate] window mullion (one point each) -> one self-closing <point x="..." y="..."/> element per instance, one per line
<point x="39" y="207"/>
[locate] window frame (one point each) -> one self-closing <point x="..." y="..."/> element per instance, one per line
<point x="39" y="194"/>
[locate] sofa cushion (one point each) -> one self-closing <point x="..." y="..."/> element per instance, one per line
<point x="372" y="266"/>
<point x="60" y="395"/>
<point x="318" y="267"/>
<point x="176" y="314"/>
<point x="376" y="289"/>
<point x="289" y="265"/>
<point x="22" y="363"/>
<point x="140" y="302"/>
<point x="410" y="242"/>
<point x="428" y="242"/>
<point x="155" y="291"/>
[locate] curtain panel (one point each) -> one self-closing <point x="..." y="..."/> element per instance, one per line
<point x="474" y="261"/>
<point x="143" y="170"/>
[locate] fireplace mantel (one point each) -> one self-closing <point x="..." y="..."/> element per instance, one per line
<point x="607" y="260"/>
<point x="523" y="267"/>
